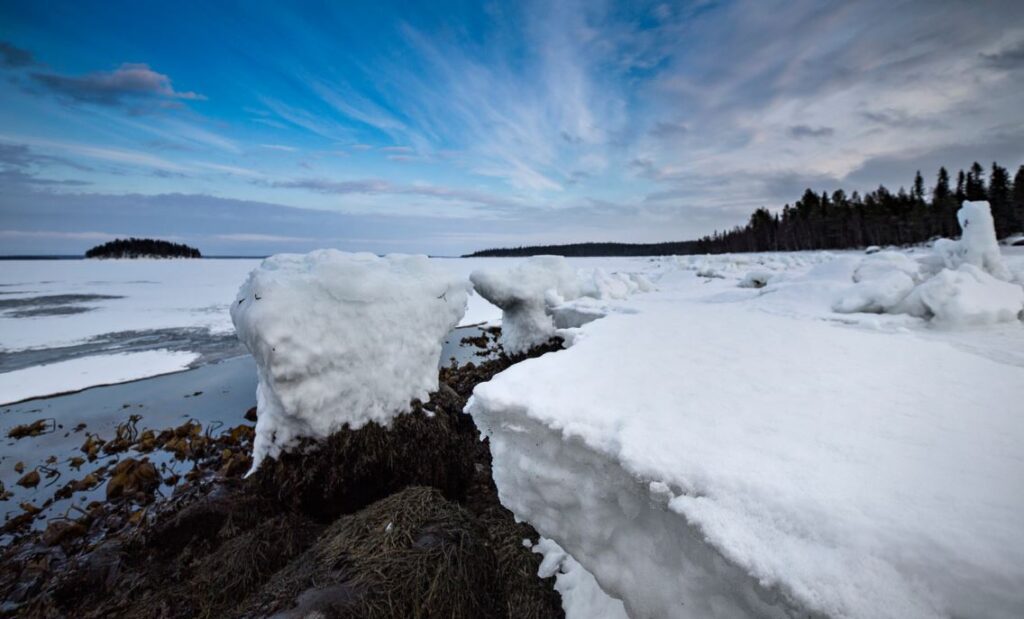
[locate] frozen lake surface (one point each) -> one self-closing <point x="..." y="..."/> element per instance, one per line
<point x="69" y="324"/>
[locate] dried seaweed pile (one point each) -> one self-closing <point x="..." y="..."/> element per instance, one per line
<point x="378" y="522"/>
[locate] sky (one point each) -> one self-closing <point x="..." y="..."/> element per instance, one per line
<point x="254" y="128"/>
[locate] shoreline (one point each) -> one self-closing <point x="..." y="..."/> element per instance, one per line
<point x="429" y="464"/>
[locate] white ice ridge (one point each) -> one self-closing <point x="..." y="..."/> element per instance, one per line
<point x="962" y="282"/>
<point x="713" y="460"/>
<point x="532" y="292"/>
<point x="342" y="339"/>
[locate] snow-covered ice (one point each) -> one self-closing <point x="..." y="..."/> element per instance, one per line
<point x="730" y="452"/>
<point x="77" y="374"/>
<point x="342" y="339"/>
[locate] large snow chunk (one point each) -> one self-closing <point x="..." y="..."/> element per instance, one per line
<point x="524" y="293"/>
<point x="881" y="264"/>
<point x="882" y="281"/>
<point x="977" y="245"/>
<point x="966" y="296"/>
<point x="714" y="460"/>
<point x="533" y="291"/>
<point x="978" y="240"/>
<point x="876" y="295"/>
<point x="342" y="338"/>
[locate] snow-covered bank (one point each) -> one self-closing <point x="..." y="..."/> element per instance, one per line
<point x="727" y="451"/>
<point x="78" y="374"/>
<point x="342" y="339"/>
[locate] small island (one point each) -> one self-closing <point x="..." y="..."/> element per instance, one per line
<point x="142" y="248"/>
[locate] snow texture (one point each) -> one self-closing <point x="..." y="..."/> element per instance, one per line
<point x="718" y="454"/>
<point x="533" y="292"/>
<point x="342" y="339"/>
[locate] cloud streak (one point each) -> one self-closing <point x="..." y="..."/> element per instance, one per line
<point x="129" y="84"/>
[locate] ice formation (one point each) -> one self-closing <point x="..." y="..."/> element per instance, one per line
<point x="582" y="597"/>
<point x="677" y="459"/>
<point x="532" y="292"/>
<point x="962" y="282"/>
<point x="342" y="338"/>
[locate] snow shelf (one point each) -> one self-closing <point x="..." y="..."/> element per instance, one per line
<point x="342" y="339"/>
<point x="710" y="460"/>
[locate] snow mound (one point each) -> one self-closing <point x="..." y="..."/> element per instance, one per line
<point x="755" y="279"/>
<point x="960" y="283"/>
<point x="964" y="297"/>
<point x="695" y="475"/>
<point x="532" y="292"/>
<point x="342" y="339"/>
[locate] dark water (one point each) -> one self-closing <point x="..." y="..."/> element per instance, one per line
<point x="217" y="395"/>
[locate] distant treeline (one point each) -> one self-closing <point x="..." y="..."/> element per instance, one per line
<point x="142" y="248"/>
<point x="840" y="221"/>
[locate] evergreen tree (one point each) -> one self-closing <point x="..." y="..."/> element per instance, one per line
<point x="975" y="189"/>
<point x="918" y="191"/>
<point x="999" y="199"/>
<point x="1017" y="198"/>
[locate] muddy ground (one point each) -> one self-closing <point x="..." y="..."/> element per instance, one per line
<point x="379" y="522"/>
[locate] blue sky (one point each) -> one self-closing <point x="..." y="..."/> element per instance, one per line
<point x="253" y="128"/>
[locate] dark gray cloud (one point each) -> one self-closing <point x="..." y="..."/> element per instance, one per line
<point x="892" y="117"/>
<point x="374" y="186"/>
<point x="21" y="156"/>
<point x="1008" y="59"/>
<point x="806" y="131"/>
<point x="14" y="178"/>
<point x="17" y="161"/>
<point x="14" y="57"/>
<point x="668" y="130"/>
<point x="129" y="85"/>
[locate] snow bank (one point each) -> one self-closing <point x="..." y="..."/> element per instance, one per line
<point x="341" y="339"/>
<point x="960" y="283"/>
<point x="695" y="474"/>
<point x="533" y="291"/>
